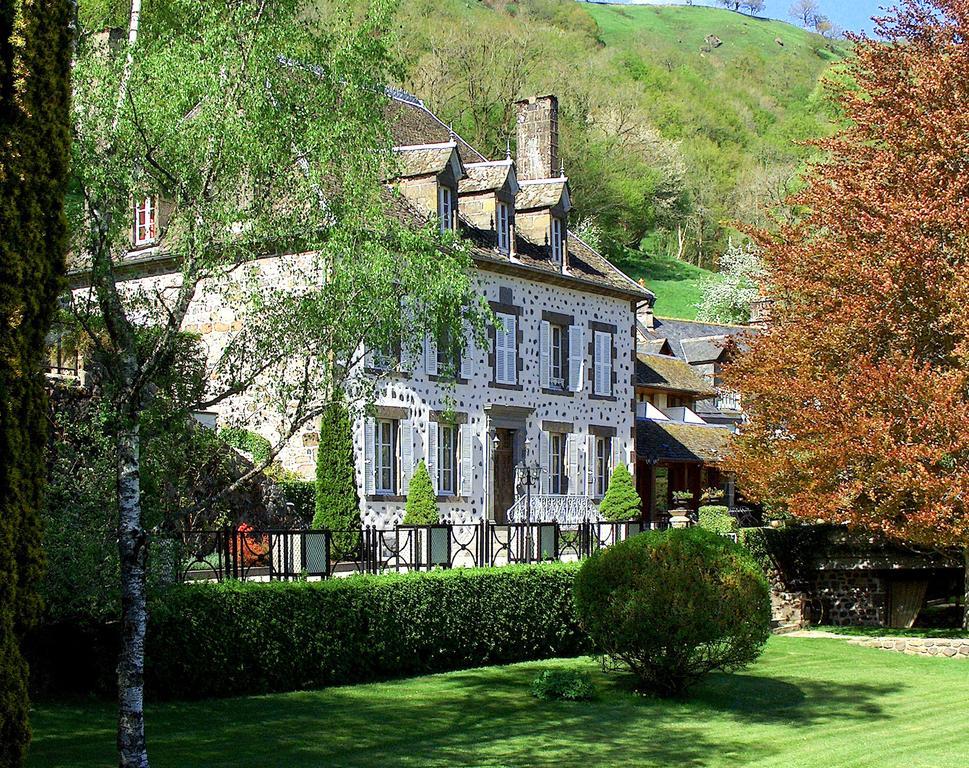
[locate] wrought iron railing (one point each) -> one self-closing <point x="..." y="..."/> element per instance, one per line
<point x="728" y="400"/>
<point x="282" y="555"/>
<point x="564" y="509"/>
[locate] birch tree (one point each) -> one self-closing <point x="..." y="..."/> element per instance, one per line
<point x="257" y="131"/>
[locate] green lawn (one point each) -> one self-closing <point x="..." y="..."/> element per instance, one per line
<point x="807" y="702"/>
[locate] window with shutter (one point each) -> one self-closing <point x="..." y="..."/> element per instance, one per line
<point x="468" y="354"/>
<point x="432" y="435"/>
<point x="430" y="354"/>
<point x="467" y="460"/>
<point x="545" y="354"/>
<point x="406" y="454"/>
<point x="602" y="459"/>
<point x="445" y="207"/>
<point x="506" y="353"/>
<point x="385" y="456"/>
<point x="369" y="452"/>
<point x="557" y="240"/>
<point x="447" y="455"/>
<point x="503" y="226"/>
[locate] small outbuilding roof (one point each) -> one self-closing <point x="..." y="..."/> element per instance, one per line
<point x="677" y="442"/>
<point x="672" y="374"/>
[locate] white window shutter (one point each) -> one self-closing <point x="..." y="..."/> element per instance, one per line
<point x="545" y="462"/>
<point x="616" y="457"/>
<point x="432" y="453"/>
<point x="501" y="375"/>
<point x="511" y="350"/>
<point x="576" y="357"/>
<point x="369" y="462"/>
<point x="467" y="355"/>
<point x="368" y="358"/>
<point x="406" y="454"/>
<point x="466" y="436"/>
<point x="545" y="353"/>
<point x="607" y="364"/>
<point x="590" y="466"/>
<point x="430" y="354"/>
<point x="572" y="458"/>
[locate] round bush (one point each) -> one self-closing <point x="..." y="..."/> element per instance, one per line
<point x="673" y="606"/>
<point x="563" y="684"/>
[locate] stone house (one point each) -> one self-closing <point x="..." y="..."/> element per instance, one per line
<point x="554" y="386"/>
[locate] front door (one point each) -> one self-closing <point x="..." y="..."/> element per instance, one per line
<point x="504" y="474"/>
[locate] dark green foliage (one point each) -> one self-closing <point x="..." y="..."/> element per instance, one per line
<point x="789" y="553"/>
<point x="337" y="498"/>
<point x="564" y="684"/>
<point x="621" y="501"/>
<point x="232" y="639"/>
<point x="421" y="506"/>
<point x="302" y="495"/>
<point x="674" y="605"/>
<point x="35" y="50"/>
<point x="717" y="519"/>
<point x="248" y="442"/>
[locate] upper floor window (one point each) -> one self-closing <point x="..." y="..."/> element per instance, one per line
<point x="445" y="207"/>
<point x="146" y="217"/>
<point x="385" y="456"/>
<point x="503" y="216"/>
<point x="447" y="460"/>
<point x="559" y="356"/>
<point x="557" y="240"/>
<point x="601" y="474"/>
<point x="506" y="349"/>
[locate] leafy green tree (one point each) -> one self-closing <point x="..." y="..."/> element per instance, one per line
<point x="35" y="48"/>
<point x="421" y="508"/>
<point x="621" y="501"/>
<point x="337" y="498"/>
<point x="266" y="159"/>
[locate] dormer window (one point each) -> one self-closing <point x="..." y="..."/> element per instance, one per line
<point x="503" y="225"/>
<point x="445" y="207"/>
<point x="557" y="240"/>
<point x="146" y="217"/>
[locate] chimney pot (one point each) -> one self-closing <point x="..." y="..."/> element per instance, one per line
<point x="537" y="138"/>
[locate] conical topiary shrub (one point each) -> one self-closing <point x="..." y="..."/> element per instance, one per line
<point x="621" y="501"/>
<point x="421" y="506"/>
<point x="337" y="500"/>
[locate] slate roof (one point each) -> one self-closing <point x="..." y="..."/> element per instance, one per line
<point x="691" y="340"/>
<point x="674" y="441"/>
<point x="672" y="374"/>
<point x="482" y="177"/>
<point x="423" y="161"/>
<point x="412" y="123"/>
<point x="544" y="194"/>
<point x="656" y="347"/>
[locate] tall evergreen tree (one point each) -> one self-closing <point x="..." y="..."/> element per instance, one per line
<point x="337" y="501"/>
<point x="621" y="502"/>
<point x="35" y="45"/>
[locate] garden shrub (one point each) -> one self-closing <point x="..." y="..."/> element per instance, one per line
<point x="337" y="497"/>
<point x="247" y="441"/>
<point x="621" y="502"/>
<point x="717" y="519"/>
<point x="302" y="495"/>
<point x="421" y="508"/>
<point x="244" y="638"/>
<point x="674" y="605"/>
<point x="563" y="684"/>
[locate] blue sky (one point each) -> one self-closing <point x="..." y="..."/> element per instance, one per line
<point x="854" y="15"/>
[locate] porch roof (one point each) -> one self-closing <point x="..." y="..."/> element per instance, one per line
<point x="673" y="441"/>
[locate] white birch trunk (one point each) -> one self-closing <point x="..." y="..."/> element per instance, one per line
<point x="133" y="550"/>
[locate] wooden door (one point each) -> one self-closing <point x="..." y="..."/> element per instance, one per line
<point x="504" y="474"/>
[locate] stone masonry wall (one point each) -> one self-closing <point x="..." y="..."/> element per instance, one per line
<point x="856" y="598"/>
<point x="918" y="646"/>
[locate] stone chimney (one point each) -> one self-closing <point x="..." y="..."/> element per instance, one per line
<point x="537" y="142"/>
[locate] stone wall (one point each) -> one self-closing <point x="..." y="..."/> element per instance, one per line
<point x="851" y="597"/>
<point x="918" y="646"/>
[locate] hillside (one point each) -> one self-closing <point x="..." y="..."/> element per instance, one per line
<point x="674" y="121"/>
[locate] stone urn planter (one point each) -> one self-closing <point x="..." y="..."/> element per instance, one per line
<point x="680" y="515"/>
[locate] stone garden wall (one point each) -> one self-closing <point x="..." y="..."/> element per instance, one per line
<point x="857" y="598"/>
<point x="918" y="646"/>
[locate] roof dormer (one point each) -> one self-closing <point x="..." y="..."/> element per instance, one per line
<point x="488" y="195"/>
<point x="428" y="176"/>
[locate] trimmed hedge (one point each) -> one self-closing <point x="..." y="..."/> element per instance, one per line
<point x="302" y="495"/>
<point x="230" y="639"/>
<point x="717" y="519"/>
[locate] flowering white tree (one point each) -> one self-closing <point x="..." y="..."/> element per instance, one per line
<point x="728" y="296"/>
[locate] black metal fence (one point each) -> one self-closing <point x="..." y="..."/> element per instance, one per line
<point x="282" y="554"/>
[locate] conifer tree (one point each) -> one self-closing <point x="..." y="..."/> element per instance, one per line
<point x="35" y="46"/>
<point x="421" y="506"/>
<point x="337" y="500"/>
<point x="621" y="502"/>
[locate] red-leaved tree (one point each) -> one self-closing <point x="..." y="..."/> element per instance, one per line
<point x="858" y="395"/>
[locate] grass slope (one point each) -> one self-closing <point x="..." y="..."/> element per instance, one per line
<point x="808" y="703"/>
<point x="678" y="285"/>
